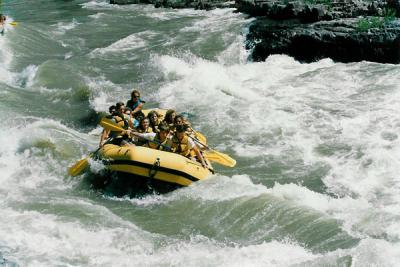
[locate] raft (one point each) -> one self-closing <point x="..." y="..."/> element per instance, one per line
<point x="141" y="168"/>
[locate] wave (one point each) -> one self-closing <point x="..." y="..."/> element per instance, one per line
<point x="131" y="42"/>
<point x="64" y="27"/>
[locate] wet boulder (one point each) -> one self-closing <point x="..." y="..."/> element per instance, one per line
<point x="343" y="30"/>
<point x="341" y="40"/>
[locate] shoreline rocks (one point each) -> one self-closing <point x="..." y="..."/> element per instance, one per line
<point x="345" y="30"/>
<point x="340" y="40"/>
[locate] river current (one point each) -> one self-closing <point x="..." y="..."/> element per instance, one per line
<point x="317" y="179"/>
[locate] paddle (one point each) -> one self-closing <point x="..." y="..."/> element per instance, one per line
<point x="217" y="156"/>
<point x="82" y="164"/>
<point x="13" y="23"/>
<point x="113" y="126"/>
<point x="79" y="166"/>
<point x="200" y="136"/>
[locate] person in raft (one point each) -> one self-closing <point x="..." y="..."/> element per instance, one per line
<point x="135" y="103"/>
<point x="160" y="140"/>
<point x="123" y="120"/>
<point x="104" y="134"/>
<point x="184" y="145"/>
<point x="2" y="23"/>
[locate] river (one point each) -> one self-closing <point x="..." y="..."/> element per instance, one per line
<point x="318" y="153"/>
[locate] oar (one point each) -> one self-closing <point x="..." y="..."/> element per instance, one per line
<point x="200" y="136"/>
<point x="113" y="126"/>
<point x="14" y="23"/>
<point x="82" y="164"/>
<point x="79" y="166"/>
<point x="217" y="156"/>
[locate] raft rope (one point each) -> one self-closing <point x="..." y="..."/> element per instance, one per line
<point x="154" y="169"/>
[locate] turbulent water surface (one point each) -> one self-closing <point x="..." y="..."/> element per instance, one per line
<point x="317" y="178"/>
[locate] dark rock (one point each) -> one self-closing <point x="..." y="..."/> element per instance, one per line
<point x="394" y="4"/>
<point x="308" y="30"/>
<point x="311" y="10"/>
<point x="338" y="40"/>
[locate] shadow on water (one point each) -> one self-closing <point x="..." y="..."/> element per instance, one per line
<point x="119" y="184"/>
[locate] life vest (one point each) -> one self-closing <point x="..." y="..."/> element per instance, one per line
<point x="157" y="144"/>
<point x="122" y="123"/>
<point x="181" y="146"/>
<point x="148" y="130"/>
<point x="142" y="141"/>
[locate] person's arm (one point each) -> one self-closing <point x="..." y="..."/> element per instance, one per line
<point x="197" y="151"/>
<point x="147" y="136"/>
<point x="138" y="108"/>
<point x="200" y="156"/>
<point x="130" y="122"/>
<point x="103" y="137"/>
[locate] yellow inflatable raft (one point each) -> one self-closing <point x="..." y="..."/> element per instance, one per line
<point x="146" y="167"/>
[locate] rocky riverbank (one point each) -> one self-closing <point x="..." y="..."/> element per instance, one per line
<point x="309" y="30"/>
<point x="345" y="30"/>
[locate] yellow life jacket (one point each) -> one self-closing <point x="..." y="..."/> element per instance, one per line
<point x="142" y="141"/>
<point x="181" y="147"/>
<point x="157" y="144"/>
<point x="148" y="130"/>
<point x="122" y="123"/>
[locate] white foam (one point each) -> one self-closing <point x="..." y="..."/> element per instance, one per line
<point x="98" y="4"/>
<point x="97" y="15"/>
<point x="373" y="252"/>
<point x="104" y="93"/>
<point x="200" y="251"/>
<point x="47" y="240"/>
<point x="6" y="56"/>
<point x="165" y="14"/>
<point x="33" y="155"/>
<point x="64" y="27"/>
<point x="24" y="78"/>
<point x="131" y="42"/>
<point x="214" y="21"/>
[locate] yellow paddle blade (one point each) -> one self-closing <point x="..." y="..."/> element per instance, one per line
<point x="111" y="125"/>
<point x="78" y="167"/>
<point x="220" y="158"/>
<point x="201" y="137"/>
<point x="13" y="23"/>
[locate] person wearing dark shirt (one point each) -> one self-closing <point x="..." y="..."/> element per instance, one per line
<point x="135" y="103"/>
